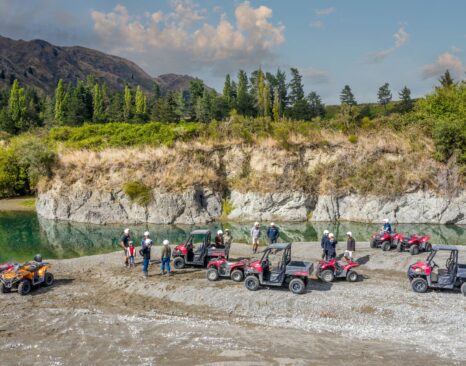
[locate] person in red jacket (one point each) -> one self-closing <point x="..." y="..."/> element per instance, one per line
<point x="131" y="254"/>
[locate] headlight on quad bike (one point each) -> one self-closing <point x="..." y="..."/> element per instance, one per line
<point x="418" y="270"/>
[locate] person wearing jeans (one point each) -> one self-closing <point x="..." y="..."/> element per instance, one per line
<point x="165" y="257"/>
<point x="146" y="246"/>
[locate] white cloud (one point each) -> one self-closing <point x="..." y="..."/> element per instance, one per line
<point x="316" y="24"/>
<point x="316" y="75"/>
<point x="182" y="40"/>
<point x="446" y="61"/>
<point x="324" y="12"/>
<point x="400" y="37"/>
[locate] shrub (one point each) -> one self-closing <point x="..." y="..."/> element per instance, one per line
<point x="353" y="139"/>
<point x="449" y="136"/>
<point x="227" y="207"/>
<point x="138" y="193"/>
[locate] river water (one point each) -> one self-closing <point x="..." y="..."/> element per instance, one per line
<point x="24" y="234"/>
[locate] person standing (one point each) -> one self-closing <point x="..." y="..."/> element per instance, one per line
<point x="146" y="246"/>
<point x="323" y="242"/>
<point x="255" y="235"/>
<point x="124" y="243"/>
<point x="272" y="233"/>
<point x="227" y="240"/>
<point x="131" y="254"/>
<point x="350" y="247"/>
<point x="165" y="257"/>
<point x="331" y="247"/>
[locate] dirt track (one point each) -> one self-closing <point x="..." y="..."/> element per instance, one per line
<point x="101" y="313"/>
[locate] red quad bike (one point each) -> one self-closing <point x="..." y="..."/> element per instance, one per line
<point x="294" y="274"/>
<point x="414" y="243"/>
<point x="428" y="274"/>
<point x="197" y="251"/>
<point x="328" y="271"/>
<point x="222" y="268"/>
<point x="384" y="240"/>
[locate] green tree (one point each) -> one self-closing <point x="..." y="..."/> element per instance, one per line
<point x="244" y="102"/>
<point x="182" y="109"/>
<point x="406" y="103"/>
<point x="127" y="104"/>
<point x="282" y="90"/>
<point x="140" y="104"/>
<point x="347" y="97"/>
<point x="60" y="95"/>
<point x="384" y="96"/>
<point x="17" y="106"/>
<point x="446" y="80"/>
<point x="204" y="107"/>
<point x="316" y="107"/>
<point x="98" y="104"/>
<point x="276" y="110"/>
<point x="227" y="90"/>
<point x="296" y="86"/>
<point x="196" y="91"/>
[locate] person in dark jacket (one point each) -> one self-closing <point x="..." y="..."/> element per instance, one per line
<point x="331" y="247"/>
<point x="272" y="233"/>
<point x="323" y="241"/>
<point x="219" y="242"/>
<point x="146" y="246"/>
<point x="124" y="244"/>
<point x="350" y="247"/>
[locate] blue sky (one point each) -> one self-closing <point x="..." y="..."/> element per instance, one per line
<point x="333" y="43"/>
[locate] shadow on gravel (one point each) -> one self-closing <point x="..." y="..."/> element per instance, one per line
<point x="316" y="285"/>
<point x="363" y="260"/>
<point x="57" y="283"/>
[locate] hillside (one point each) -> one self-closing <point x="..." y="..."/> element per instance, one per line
<point x="40" y="64"/>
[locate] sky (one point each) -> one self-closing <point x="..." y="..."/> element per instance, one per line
<point x="362" y="43"/>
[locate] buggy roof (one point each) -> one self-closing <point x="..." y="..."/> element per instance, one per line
<point x="200" y="232"/>
<point x="444" y="247"/>
<point x="279" y="246"/>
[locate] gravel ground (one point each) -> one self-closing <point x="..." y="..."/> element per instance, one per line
<point x="101" y="313"/>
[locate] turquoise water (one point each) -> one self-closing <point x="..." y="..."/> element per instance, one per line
<point x="23" y="234"/>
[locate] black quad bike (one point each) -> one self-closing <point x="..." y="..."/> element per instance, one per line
<point x="429" y="275"/>
<point x="294" y="274"/>
<point x="197" y="251"/>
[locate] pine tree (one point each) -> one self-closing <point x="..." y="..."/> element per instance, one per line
<point x="196" y="91"/>
<point x="98" y="104"/>
<point x="317" y="108"/>
<point x="384" y="95"/>
<point x="446" y="80"/>
<point x="182" y="105"/>
<point x="204" y="107"/>
<point x="347" y="97"/>
<point x="259" y="91"/>
<point x="156" y="91"/>
<point x="59" y="102"/>
<point x="127" y="104"/>
<point x="227" y="90"/>
<point x="282" y="90"/>
<point x="116" y="108"/>
<point x="243" y="99"/>
<point x="296" y="86"/>
<point x="406" y="103"/>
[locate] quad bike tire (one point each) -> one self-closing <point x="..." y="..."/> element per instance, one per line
<point x="373" y="244"/>
<point x="297" y="286"/>
<point x="386" y="246"/>
<point x="48" y="279"/>
<point x="4" y="289"/>
<point x="419" y="285"/>
<point x="414" y="250"/>
<point x="463" y="289"/>
<point x="212" y="274"/>
<point x="178" y="263"/>
<point x="237" y="275"/>
<point x="24" y="287"/>
<point x="352" y="276"/>
<point x="252" y="283"/>
<point x="327" y="275"/>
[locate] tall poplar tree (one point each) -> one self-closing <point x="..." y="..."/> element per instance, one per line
<point x="127" y="104"/>
<point x="60" y="95"/>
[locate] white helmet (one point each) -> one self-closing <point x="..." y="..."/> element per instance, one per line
<point x="256" y="224"/>
<point x="272" y="224"/>
<point x="126" y="231"/>
<point x="326" y="232"/>
<point x="147" y="241"/>
<point x="331" y="235"/>
<point x="166" y="242"/>
<point x="385" y="220"/>
<point x="349" y="233"/>
<point x="220" y="232"/>
<point x="146" y="233"/>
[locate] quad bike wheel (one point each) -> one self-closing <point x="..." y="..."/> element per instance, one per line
<point x="297" y="286"/>
<point x="463" y="289"/>
<point x="212" y="274"/>
<point x="399" y="246"/>
<point x="4" y="289"/>
<point x="48" y="279"/>
<point x="419" y="285"/>
<point x="252" y="283"/>
<point x="373" y="243"/>
<point x="178" y="263"/>
<point x="237" y="275"/>
<point x="352" y="276"/>
<point x="24" y="287"/>
<point x="386" y="246"/>
<point x="327" y="275"/>
<point x="414" y="250"/>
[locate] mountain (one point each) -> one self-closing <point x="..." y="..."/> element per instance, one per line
<point x="40" y="64"/>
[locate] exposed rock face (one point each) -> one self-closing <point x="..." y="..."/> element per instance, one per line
<point x="417" y="207"/>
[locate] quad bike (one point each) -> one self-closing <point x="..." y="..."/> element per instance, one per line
<point x="329" y="270"/>
<point x="220" y="267"/>
<point x="384" y="240"/>
<point x="6" y="267"/>
<point x="197" y="251"/>
<point x="25" y="277"/>
<point x="428" y="274"/>
<point x="414" y="243"/>
<point x="294" y="274"/>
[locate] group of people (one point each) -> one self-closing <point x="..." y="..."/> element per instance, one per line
<point x="272" y="234"/>
<point x="329" y="246"/>
<point x="145" y="252"/>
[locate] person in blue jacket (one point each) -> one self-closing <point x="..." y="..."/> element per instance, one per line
<point x="323" y="241"/>
<point x="330" y="247"/>
<point x="273" y="233"/>
<point x="386" y="226"/>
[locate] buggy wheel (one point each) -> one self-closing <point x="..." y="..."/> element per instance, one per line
<point x="428" y="247"/>
<point x="386" y="246"/>
<point x="297" y="286"/>
<point x="327" y="275"/>
<point x="463" y="289"/>
<point x="212" y="274"/>
<point x="4" y="289"/>
<point x="24" y="287"/>
<point x="178" y="263"/>
<point x="399" y="246"/>
<point x="237" y="275"/>
<point x="48" y="279"/>
<point x="252" y="283"/>
<point x="373" y="244"/>
<point x="419" y="285"/>
<point x="352" y="276"/>
<point x="414" y="250"/>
